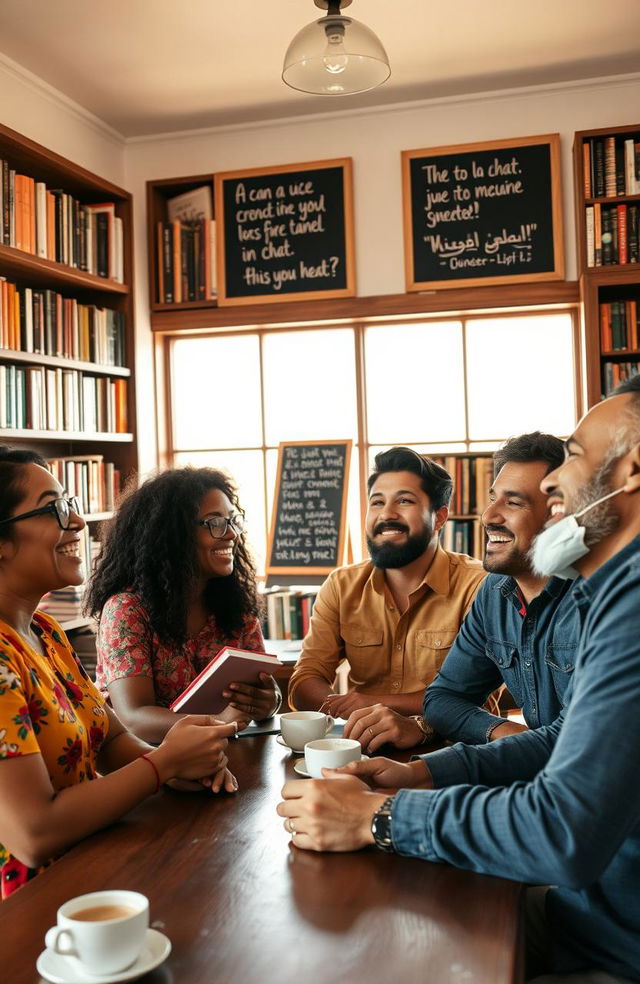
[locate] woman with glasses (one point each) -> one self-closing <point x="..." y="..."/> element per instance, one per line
<point x="56" y="731"/>
<point x="173" y="585"/>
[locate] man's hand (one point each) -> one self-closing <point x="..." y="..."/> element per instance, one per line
<point x="342" y="705"/>
<point x="378" y="725"/>
<point x="329" y="814"/>
<point x="384" y="773"/>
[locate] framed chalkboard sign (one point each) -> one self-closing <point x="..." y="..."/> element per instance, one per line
<point x="285" y="233"/>
<point x="310" y="507"/>
<point x="482" y="214"/>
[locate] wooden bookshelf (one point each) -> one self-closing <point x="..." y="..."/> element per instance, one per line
<point x="472" y="474"/>
<point x="615" y="236"/>
<point x="158" y="194"/>
<point x="26" y="270"/>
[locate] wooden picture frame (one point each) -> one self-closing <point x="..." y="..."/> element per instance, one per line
<point x="339" y="513"/>
<point x="472" y="237"/>
<point x="279" y="190"/>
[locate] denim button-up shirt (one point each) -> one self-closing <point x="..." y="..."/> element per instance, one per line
<point x="533" y="653"/>
<point x="559" y="805"/>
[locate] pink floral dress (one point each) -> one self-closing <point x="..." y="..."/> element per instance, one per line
<point x="128" y="646"/>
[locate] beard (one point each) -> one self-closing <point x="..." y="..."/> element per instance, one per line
<point x="394" y="555"/>
<point x="602" y="520"/>
<point x="513" y="563"/>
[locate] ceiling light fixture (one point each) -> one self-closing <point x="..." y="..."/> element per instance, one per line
<point x="335" y="56"/>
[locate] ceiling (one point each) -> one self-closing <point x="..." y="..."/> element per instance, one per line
<point x="154" y="66"/>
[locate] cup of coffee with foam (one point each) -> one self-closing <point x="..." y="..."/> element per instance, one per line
<point x="106" y="931"/>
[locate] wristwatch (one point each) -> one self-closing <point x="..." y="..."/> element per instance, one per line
<point x="428" y="733"/>
<point x="381" y="826"/>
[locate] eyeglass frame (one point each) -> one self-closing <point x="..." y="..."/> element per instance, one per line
<point x="73" y="502"/>
<point x="228" y="521"/>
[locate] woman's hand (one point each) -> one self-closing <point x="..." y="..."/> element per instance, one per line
<point x="195" y="747"/>
<point x="223" y="780"/>
<point x="253" y="703"/>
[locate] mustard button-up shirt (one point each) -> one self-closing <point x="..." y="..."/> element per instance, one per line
<point x="355" y="618"/>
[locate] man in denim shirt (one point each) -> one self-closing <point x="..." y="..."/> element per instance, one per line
<point x="522" y="629"/>
<point x="558" y="805"/>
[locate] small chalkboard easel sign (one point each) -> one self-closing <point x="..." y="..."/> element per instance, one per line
<point x="483" y="214"/>
<point x="285" y="233"/>
<point x="310" y="507"/>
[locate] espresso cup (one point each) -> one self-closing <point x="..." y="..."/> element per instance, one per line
<point x="105" y="931"/>
<point x="330" y="753"/>
<point x="299" y="727"/>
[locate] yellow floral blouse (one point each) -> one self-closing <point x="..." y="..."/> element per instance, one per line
<point x="49" y="707"/>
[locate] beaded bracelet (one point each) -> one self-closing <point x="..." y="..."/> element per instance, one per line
<point x="153" y="766"/>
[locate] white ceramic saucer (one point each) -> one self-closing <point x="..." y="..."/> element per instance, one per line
<point x="301" y="766"/>
<point x="282" y="742"/>
<point x="67" y="970"/>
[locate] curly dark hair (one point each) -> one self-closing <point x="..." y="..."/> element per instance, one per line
<point x="150" y="548"/>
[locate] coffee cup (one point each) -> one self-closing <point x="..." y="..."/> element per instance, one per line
<point x="299" y="727"/>
<point x="330" y="753"/>
<point x="105" y="931"/>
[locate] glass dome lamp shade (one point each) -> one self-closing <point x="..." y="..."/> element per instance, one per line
<point x="335" y="56"/>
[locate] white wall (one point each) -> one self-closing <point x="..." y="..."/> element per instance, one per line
<point x="374" y="140"/>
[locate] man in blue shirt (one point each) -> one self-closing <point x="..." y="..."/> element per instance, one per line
<point x="522" y="629"/>
<point x="559" y="805"/>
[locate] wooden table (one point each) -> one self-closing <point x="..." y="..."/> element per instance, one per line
<point x="241" y="906"/>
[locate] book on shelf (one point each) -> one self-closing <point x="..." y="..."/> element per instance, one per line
<point x="614" y="373"/>
<point x="616" y="234"/>
<point x="472" y="478"/>
<point x="619" y="329"/>
<point x="186" y="261"/>
<point x="611" y="166"/>
<point x="39" y="398"/>
<point x="287" y="612"/>
<point x="204" y="694"/>
<point x="44" y="322"/>
<point x="191" y="206"/>
<point x="54" y="225"/>
<point x="93" y="480"/>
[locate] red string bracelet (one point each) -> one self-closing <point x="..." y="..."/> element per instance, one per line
<point x="153" y="766"/>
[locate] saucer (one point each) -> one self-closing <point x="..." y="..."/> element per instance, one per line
<point x="301" y="766"/>
<point x="59" y="969"/>
<point x="282" y="742"/>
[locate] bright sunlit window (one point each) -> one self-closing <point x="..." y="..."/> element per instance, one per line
<point x="440" y="386"/>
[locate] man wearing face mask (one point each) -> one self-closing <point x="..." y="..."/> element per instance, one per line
<point x="395" y="616"/>
<point x="559" y="805"/>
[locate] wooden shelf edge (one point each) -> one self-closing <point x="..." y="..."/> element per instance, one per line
<point x="39" y="435"/>
<point x="58" y="361"/>
<point x="17" y="262"/>
<point x="183" y="305"/>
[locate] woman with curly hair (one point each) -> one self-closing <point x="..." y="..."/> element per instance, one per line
<point x="173" y="585"/>
<point x="67" y="765"/>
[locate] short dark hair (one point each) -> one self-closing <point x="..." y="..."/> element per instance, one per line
<point x="12" y="486"/>
<point x="530" y="447"/>
<point x="434" y="479"/>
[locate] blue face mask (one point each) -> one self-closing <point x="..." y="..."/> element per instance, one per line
<point x="558" y="547"/>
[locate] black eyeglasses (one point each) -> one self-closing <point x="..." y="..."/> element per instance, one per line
<point x="218" y="525"/>
<point x="61" y="509"/>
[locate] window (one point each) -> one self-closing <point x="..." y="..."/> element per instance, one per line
<point x="440" y="386"/>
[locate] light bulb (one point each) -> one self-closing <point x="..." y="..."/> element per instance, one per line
<point x="335" y="57"/>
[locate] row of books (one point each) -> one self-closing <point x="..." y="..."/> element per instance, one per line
<point x="47" y="323"/>
<point x="619" y="329"/>
<point x="611" y="166"/>
<point x="186" y="261"/>
<point x="287" y="613"/>
<point x="93" y="480"/>
<point x="39" y="398"/>
<point x="613" y="234"/>
<point x="464" y="536"/>
<point x="617" y="372"/>
<point x="54" y="225"/>
<point x="472" y="479"/>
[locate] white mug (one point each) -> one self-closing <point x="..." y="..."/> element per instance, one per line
<point x="299" y="727"/>
<point x="106" y="931"/>
<point x="330" y="753"/>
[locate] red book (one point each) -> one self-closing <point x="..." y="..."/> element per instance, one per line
<point x="623" y="252"/>
<point x="204" y="694"/>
